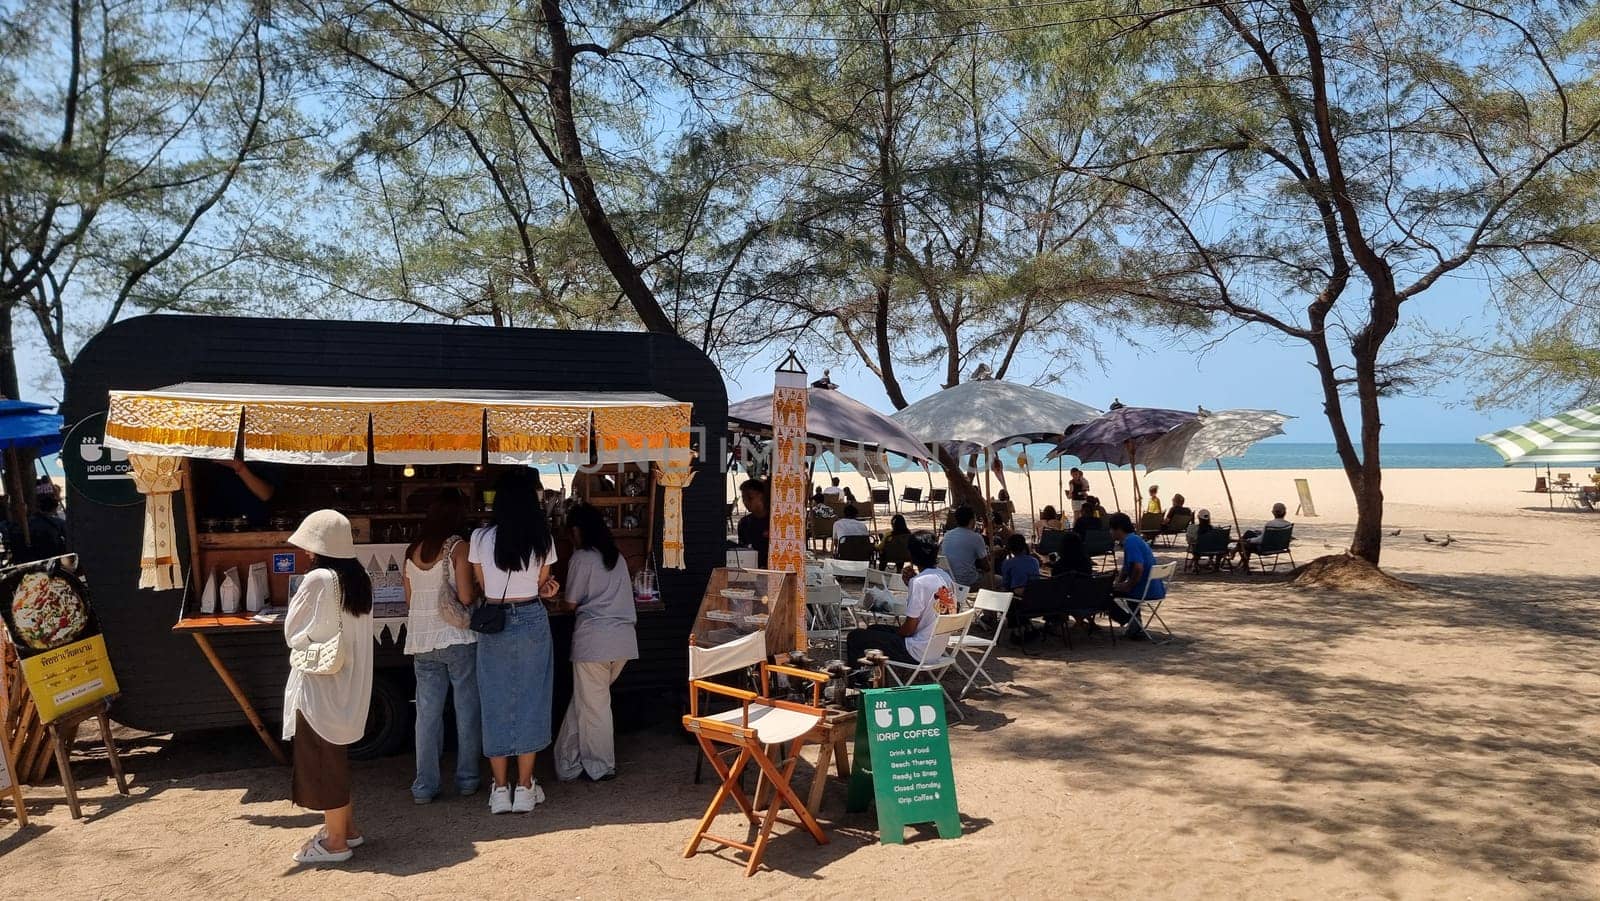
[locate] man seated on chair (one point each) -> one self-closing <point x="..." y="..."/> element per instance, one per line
<point x="847" y="525"/>
<point x="1134" y="578"/>
<point x="929" y="593"/>
<point x="1252" y="538"/>
<point x="1019" y="566"/>
<point x="833" y="492"/>
<point x="966" y="550"/>
<point x="1177" y="509"/>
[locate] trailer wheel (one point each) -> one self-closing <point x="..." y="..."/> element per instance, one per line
<point x="388" y="719"/>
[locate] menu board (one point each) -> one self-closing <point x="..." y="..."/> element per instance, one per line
<point x="903" y="762"/>
<point x="46" y="611"/>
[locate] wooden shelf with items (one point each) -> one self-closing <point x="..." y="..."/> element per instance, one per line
<point x="626" y="496"/>
<point x="740" y="601"/>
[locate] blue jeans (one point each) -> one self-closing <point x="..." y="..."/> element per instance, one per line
<point x="438" y="672"/>
<point x="516" y="679"/>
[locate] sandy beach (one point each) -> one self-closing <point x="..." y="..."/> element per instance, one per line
<point x="1424" y="742"/>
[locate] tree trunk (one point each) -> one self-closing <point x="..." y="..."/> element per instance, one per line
<point x="576" y="172"/>
<point x="8" y="356"/>
<point x="962" y="489"/>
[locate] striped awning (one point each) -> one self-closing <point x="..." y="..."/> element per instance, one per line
<point x="1572" y="437"/>
<point x="341" y="426"/>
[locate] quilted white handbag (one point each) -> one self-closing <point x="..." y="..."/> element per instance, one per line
<point x="322" y="658"/>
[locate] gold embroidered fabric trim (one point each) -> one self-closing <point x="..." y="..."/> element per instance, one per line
<point x="183" y="423"/>
<point x="431" y="427"/>
<point x="560" y="434"/>
<point x="633" y="434"/>
<point x="318" y="428"/>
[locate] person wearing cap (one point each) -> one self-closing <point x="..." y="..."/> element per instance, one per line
<point x="325" y="713"/>
<point x="1200" y="526"/>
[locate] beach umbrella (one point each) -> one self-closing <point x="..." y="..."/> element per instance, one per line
<point x="25" y="428"/>
<point x="1567" y="438"/>
<point x="983" y="413"/>
<point x="1210" y="437"/>
<point x="859" y="434"/>
<point x="1572" y="437"/>
<point x="1115" y="437"/>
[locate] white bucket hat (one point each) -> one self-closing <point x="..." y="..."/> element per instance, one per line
<point x="327" y="534"/>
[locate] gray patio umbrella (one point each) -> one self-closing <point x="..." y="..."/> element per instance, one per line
<point x="986" y="412"/>
<point x="1210" y="437"/>
<point x="835" y="417"/>
<point x="1115" y="437"/>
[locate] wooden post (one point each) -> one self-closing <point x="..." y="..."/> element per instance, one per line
<point x="64" y="730"/>
<point x="1229" y="491"/>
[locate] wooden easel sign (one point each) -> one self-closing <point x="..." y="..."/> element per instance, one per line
<point x="9" y="782"/>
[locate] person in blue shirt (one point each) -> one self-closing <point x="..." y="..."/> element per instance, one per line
<point x="1137" y="562"/>
<point x="1020" y="566"/>
<point x="966" y="549"/>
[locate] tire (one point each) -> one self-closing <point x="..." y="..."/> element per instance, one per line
<point x="388" y="719"/>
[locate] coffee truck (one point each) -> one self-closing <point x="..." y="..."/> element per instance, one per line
<point x="373" y="419"/>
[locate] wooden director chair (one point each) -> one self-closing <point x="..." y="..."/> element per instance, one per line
<point x="758" y="724"/>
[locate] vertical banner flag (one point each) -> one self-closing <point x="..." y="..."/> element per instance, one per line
<point x="786" y="548"/>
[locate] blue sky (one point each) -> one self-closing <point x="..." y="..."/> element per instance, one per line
<point x="1250" y="368"/>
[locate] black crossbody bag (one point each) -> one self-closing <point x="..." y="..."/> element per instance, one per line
<point x="490" y="619"/>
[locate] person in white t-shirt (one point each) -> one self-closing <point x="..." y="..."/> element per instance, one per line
<point x="847" y="525"/>
<point x="516" y="666"/>
<point x="833" y="491"/>
<point x="930" y="592"/>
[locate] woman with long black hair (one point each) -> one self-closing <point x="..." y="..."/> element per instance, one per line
<point x="511" y="559"/>
<point x="325" y="701"/>
<point x="603" y="641"/>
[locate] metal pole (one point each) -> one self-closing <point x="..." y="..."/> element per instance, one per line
<point x="1236" y="530"/>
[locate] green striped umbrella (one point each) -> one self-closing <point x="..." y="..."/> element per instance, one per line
<point x="1571" y="437"/>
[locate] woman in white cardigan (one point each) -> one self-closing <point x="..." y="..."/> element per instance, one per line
<point x="324" y="713"/>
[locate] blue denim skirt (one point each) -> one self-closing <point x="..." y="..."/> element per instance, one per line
<point x="516" y="676"/>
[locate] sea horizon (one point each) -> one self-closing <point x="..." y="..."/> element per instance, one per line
<point x="1297" y="455"/>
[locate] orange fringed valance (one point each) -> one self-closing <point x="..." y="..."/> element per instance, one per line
<point x="634" y="434"/>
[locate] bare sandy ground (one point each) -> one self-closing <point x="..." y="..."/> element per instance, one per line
<point x="1433" y="743"/>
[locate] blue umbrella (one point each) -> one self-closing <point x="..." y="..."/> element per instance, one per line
<point x="1114" y="437"/>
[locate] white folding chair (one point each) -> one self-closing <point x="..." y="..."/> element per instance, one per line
<point x="935" y="663"/>
<point x="825" y="615"/>
<point x="743" y="558"/>
<point x="1145" y="611"/>
<point x="975" y="649"/>
<point x="855" y="573"/>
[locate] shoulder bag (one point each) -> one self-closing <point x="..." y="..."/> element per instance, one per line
<point x="323" y="658"/>
<point x="451" y="609"/>
<point x="490" y="619"/>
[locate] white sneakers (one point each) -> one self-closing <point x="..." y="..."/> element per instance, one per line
<point x="503" y="800"/>
<point x="500" y="799"/>
<point x="527" y="798"/>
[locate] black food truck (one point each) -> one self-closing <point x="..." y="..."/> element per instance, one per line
<point x="369" y="418"/>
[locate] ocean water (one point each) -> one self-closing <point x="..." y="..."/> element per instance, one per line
<point x="1286" y="455"/>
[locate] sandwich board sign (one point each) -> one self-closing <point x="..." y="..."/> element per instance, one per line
<point x="903" y="762"/>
